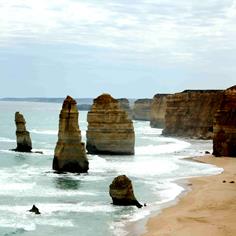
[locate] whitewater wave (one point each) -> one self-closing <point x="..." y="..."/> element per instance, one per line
<point x="7" y="140"/>
<point x="162" y="149"/>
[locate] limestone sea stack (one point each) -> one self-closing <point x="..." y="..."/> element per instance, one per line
<point x="121" y="192"/>
<point x="191" y="113"/>
<point x="23" y="139"/>
<point x="70" y="154"/>
<point x="110" y="131"/>
<point x="224" y="138"/>
<point x="124" y="104"/>
<point x="142" y="109"/>
<point x="158" y="111"/>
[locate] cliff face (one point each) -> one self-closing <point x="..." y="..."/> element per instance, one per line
<point x="109" y="129"/>
<point x="142" y="109"/>
<point x="224" y="139"/>
<point x="70" y="152"/>
<point x="124" y="104"/>
<point x="23" y="139"/>
<point x="191" y="113"/>
<point x="158" y="111"/>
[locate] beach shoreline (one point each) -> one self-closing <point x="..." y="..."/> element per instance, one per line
<point x="207" y="206"/>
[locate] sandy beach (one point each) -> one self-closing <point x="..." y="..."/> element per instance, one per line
<point x="208" y="210"/>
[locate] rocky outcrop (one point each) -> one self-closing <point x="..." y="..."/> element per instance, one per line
<point x="121" y="192"/>
<point x="158" y="111"/>
<point x="142" y="109"/>
<point x="224" y="139"/>
<point x="23" y="139"/>
<point x="191" y="113"/>
<point x="124" y="104"/>
<point x="70" y="154"/>
<point x="110" y="131"/>
<point x="35" y="210"/>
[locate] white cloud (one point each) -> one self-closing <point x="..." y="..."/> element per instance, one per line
<point x="171" y="30"/>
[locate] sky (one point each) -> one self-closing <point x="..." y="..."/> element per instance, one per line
<point x="135" y="49"/>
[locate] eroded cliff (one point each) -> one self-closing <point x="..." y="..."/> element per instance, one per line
<point x="191" y="113"/>
<point x="142" y="109"/>
<point x="224" y="138"/>
<point x="158" y="111"/>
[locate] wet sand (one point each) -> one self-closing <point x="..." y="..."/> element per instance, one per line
<point x="209" y="209"/>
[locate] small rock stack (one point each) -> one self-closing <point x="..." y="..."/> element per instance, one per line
<point x="23" y="139"/>
<point x="121" y="192"/>
<point x="110" y="131"/>
<point x="70" y="154"/>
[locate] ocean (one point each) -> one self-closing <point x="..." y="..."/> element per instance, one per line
<point x="73" y="204"/>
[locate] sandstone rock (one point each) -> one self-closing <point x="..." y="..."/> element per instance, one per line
<point x="191" y="113"/>
<point x="23" y="139"/>
<point x="109" y="129"/>
<point x="158" y="111"/>
<point x="121" y="192"/>
<point x="124" y="104"/>
<point x="142" y="109"/>
<point x="35" y="210"/>
<point x="70" y="152"/>
<point x="224" y="139"/>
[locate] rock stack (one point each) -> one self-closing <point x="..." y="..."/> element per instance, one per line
<point x="191" y="113"/>
<point x="224" y="139"/>
<point x="23" y="139"/>
<point x="110" y="131"/>
<point x="70" y="154"/>
<point x="121" y="192"/>
<point x="142" y="109"/>
<point x="158" y="111"/>
<point x="124" y="104"/>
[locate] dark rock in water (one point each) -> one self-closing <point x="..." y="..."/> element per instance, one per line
<point x="35" y="210"/>
<point x="231" y="182"/>
<point x="38" y="152"/>
<point x="70" y="155"/>
<point x="206" y="152"/>
<point x="23" y="139"/>
<point x="223" y="181"/>
<point x="121" y="192"/>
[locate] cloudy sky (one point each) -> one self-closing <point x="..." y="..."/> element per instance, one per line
<point x="127" y="48"/>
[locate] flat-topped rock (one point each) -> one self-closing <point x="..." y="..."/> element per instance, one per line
<point x="110" y="131"/>
<point x="224" y="138"/>
<point x="191" y="113"/>
<point x="158" y="111"/>
<point x="70" y="154"/>
<point x="23" y="139"/>
<point x="142" y="109"/>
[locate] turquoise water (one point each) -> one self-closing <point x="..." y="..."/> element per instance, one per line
<point x="73" y="204"/>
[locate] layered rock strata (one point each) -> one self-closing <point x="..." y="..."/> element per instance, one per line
<point x="23" y="139"/>
<point x="110" y="131"/>
<point x="142" y="109"/>
<point x="158" y="111"/>
<point x="224" y="138"/>
<point x="124" y="104"/>
<point x="191" y="113"/>
<point x="121" y="192"/>
<point x="70" y="154"/>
